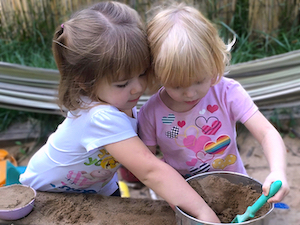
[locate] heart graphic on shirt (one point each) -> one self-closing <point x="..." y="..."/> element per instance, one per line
<point x="204" y="157"/>
<point x="213" y="108"/>
<point x="201" y="112"/>
<point x="192" y="162"/>
<point x="169" y="119"/>
<point x="211" y="130"/>
<point x="221" y="164"/>
<point x="195" y="144"/>
<point x="173" y="133"/>
<point x="181" y="123"/>
<point x="202" y="168"/>
<point x="208" y="126"/>
<point x="219" y="146"/>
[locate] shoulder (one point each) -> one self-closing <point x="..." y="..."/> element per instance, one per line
<point x="153" y="99"/>
<point x="237" y="99"/>
<point x="110" y="119"/>
<point x="151" y="104"/>
<point x="228" y="83"/>
<point x="105" y="110"/>
<point x="107" y="114"/>
<point x="229" y="86"/>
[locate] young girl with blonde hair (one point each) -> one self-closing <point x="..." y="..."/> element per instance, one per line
<point x="192" y="118"/>
<point x="102" y="55"/>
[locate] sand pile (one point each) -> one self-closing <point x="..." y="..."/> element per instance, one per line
<point x="225" y="198"/>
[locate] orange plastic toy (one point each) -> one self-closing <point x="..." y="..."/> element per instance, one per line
<point x="5" y="156"/>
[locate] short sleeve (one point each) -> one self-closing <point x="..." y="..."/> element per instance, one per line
<point x="240" y="103"/>
<point x="146" y="125"/>
<point x="107" y="127"/>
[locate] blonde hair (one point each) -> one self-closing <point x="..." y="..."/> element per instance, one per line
<point x="106" y="42"/>
<point x="185" y="47"/>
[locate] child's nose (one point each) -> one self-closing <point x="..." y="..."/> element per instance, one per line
<point x="190" y="93"/>
<point x="138" y="86"/>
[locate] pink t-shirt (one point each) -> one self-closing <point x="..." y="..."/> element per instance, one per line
<point x="204" y="138"/>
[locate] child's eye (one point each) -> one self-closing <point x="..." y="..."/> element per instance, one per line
<point x="143" y="74"/>
<point x="122" y="85"/>
<point x="200" y="81"/>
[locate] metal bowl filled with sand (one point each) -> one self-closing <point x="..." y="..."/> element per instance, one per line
<point x="228" y="194"/>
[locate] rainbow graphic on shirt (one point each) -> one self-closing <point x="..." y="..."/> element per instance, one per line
<point x="219" y="146"/>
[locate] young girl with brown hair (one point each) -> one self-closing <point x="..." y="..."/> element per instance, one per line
<point x="102" y="55"/>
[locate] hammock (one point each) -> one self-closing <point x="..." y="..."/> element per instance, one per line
<point x="272" y="82"/>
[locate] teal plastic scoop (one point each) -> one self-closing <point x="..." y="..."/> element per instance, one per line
<point x="251" y="210"/>
<point x="13" y="173"/>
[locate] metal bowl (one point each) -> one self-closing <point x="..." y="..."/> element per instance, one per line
<point x="236" y="178"/>
<point x="17" y="213"/>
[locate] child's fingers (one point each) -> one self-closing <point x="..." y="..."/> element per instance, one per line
<point x="277" y="197"/>
<point x="266" y="187"/>
<point x="283" y="191"/>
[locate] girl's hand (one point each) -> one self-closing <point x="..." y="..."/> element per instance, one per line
<point x="208" y="215"/>
<point x="283" y="191"/>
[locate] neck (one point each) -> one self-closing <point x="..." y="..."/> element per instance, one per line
<point x="128" y="112"/>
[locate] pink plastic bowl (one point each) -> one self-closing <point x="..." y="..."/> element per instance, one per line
<point x="18" y="213"/>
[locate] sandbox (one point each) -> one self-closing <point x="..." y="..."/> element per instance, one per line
<point x="82" y="209"/>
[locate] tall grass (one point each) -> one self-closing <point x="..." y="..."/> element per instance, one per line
<point x="263" y="28"/>
<point x="27" y="52"/>
<point x="256" y="37"/>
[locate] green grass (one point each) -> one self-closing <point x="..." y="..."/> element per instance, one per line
<point x="28" y="53"/>
<point x="265" y="45"/>
<point x="254" y="44"/>
<point x="39" y="54"/>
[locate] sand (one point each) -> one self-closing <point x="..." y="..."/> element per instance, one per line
<point x="227" y="199"/>
<point x="81" y="209"/>
<point x="15" y="196"/>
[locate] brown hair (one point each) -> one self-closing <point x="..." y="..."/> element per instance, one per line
<point x="106" y="42"/>
<point x="185" y="47"/>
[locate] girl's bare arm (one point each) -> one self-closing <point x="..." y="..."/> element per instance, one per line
<point x="274" y="150"/>
<point x="160" y="177"/>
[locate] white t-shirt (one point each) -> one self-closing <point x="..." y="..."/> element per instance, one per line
<point x="74" y="158"/>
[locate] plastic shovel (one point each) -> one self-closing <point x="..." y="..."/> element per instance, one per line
<point x="251" y="210"/>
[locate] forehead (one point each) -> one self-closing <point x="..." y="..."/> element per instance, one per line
<point x="123" y="76"/>
<point x="184" y="82"/>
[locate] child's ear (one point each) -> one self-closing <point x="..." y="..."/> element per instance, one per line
<point x="213" y="81"/>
